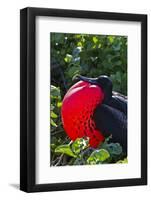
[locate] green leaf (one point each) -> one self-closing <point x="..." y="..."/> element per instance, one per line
<point x="54" y="115"/>
<point x="118" y="76"/>
<point x="53" y="123"/>
<point x="79" y="144"/>
<point x="68" y="58"/>
<point x="111" y="38"/>
<point x="59" y="37"/>
<point x="117" y="47"/>
<point x="52" y="147"/>
<point x="74" y="70"/>
<point x="59" y="104"/>
<point x="95" y="39"/>
<point x="118" y="63"/>
<point x="98" y="156"/>
<point x="123" y="161"/>
<point x="113" y="148"/>
<point x="55" y="91"/>
<point x="79" y="44"/>
<point x="52" y="107"/>
<point x="66" y="150"/>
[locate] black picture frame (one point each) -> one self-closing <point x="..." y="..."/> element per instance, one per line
<point x="28" y="98"/>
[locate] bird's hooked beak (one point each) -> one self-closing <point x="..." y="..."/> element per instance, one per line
<point x="83" y="78"/>
<point x="102" y="81"/>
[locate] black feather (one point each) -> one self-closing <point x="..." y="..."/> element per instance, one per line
<point x="119" y="102"/>
<point x="112" y="120"/>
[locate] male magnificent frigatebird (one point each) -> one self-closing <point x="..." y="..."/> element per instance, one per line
<point x="90" y="108"/>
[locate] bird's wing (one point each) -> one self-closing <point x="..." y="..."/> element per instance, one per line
<point x="118" y="102"/>
<point x="111" y="121"/>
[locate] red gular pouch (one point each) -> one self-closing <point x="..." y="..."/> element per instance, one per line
<point x="77" y="111"/>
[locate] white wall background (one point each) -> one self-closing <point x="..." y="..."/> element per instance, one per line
<point x="9" y="99"/>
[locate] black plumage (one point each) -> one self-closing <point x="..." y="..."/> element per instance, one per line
<point x="111" y="119"/>
<point x="110" y="116"/>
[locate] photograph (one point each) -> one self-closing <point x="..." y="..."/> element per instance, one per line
<point x="88" y="99"/>
<point x="83" y="119"/>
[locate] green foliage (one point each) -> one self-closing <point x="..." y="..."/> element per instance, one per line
<point x="58" y="136"/>
<point x="73" y="149"/>
<point x="91" y="56"/>
<point x="123" y="161"/>
<point x="98" y="157"/>
<point x="79" y="152"/>
<point x="79" y="145"/>
<point x="65" y="149"/>
<point x="55" y="99"/>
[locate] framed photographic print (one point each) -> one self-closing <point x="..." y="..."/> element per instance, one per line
<point x="83" y="99"/>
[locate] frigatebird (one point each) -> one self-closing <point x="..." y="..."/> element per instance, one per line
<point x="91" y="108"/>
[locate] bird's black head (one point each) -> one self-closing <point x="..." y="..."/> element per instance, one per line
<point x="104" y="82"/>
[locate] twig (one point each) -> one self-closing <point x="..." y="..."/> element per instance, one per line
<point x="56" y="132"/>
<point x="60" y="159"/>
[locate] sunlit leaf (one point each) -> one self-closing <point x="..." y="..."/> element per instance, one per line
<point x="98" y="156"/>
<point x="59" y="104"/>
<point x="66" y="150"/>
<point x="79" y="144"/>
<point x="111" y="38"/>
<point x="54" y="115"/>
<point x="68" y="58"/>
<point x="53" y="123"/>
<point x="79" y="44"/>
<point x="95" y="39"/>
<point x="123" y="161"/>
<point x="55" y="91"/>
